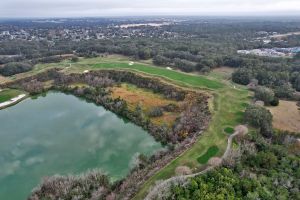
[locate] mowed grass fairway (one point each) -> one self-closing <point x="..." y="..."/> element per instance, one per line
<point x="120" y="62"/>
<point x="8" y="94"/>
<point x="198" y="81"/>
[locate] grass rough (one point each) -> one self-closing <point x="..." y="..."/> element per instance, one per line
<point x="7" y="94"/>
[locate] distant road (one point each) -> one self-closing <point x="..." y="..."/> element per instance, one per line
<point x="285" y="35"/>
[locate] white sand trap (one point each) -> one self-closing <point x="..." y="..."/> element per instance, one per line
<point x="86" y="71"/>
<point x="169" y="68"/>
<point x="12" y="101"/>
<point x="131" y="63"/>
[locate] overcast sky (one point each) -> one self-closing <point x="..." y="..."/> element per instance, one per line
<point x="90" y="8"/>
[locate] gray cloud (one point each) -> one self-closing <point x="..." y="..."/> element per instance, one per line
<point x="71" y="8"/>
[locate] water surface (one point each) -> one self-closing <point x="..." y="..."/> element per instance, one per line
<point x="62" y="134"/>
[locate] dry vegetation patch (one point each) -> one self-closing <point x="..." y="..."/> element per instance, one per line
<point x="286" y="116"/>
<point x="168" y="118"/>
<point x="138" y="96"/>
<point x="135" y="96"/>
<point x="3" y="79"/>
<point x="224" y="72"/>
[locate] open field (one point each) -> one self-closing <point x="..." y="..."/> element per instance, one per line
<point x="7" y="94"/>
<point x="286" y="116"/>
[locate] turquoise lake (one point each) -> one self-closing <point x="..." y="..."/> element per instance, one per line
<point x="63" y="134"/>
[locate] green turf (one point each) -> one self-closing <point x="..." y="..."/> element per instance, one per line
<point x="119" y="62"/>
<point x="229" y="130"/>
<point x="211" y="151"/>
<point x="198" y="81"/>
<point x="8" y="94"/>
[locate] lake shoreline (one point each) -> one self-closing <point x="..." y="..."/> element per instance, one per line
<point x="13" y="101"/>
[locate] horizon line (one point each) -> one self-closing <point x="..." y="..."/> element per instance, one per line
<point x="154" y="15"/>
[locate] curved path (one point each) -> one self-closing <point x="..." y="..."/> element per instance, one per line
<point x="160" y="187"/>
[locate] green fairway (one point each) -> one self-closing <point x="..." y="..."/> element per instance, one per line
<point x="120" y="62"/>
<point x="198" y="81"/>
<point x="211" y="151"/>
<point x="123" y="63"/>
<point x="8" y="94"/>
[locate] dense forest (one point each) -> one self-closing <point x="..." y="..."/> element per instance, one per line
<point x="260" y="169"/>
<point x="281" y="75"/>
<point x="264" y="166"/>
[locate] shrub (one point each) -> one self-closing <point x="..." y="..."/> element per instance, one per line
<point x="260" y="117"/>
<point x="155" y="112"/>
<point x="264" y="94"/>
<point x="15" y="68"/>
<point x="74" y="59"/>
<point x="33" y="87"/>
<point x="91" y="184"/>
<point x="160" y="60"/>
<point x="284" y="91"/>
<point x="275" y="102"/>
<point x="184" y="65"/>
<point x="50" y="59"/>
<point x="242" y="76"/>
<point x="170" y="107"/>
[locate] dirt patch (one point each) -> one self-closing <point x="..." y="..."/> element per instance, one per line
<point x="286" y="116"/>
<point x="3" y="79"/>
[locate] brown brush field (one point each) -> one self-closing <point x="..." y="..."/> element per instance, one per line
<point x="286" y="116"/>
<point x="135" y="96"/>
